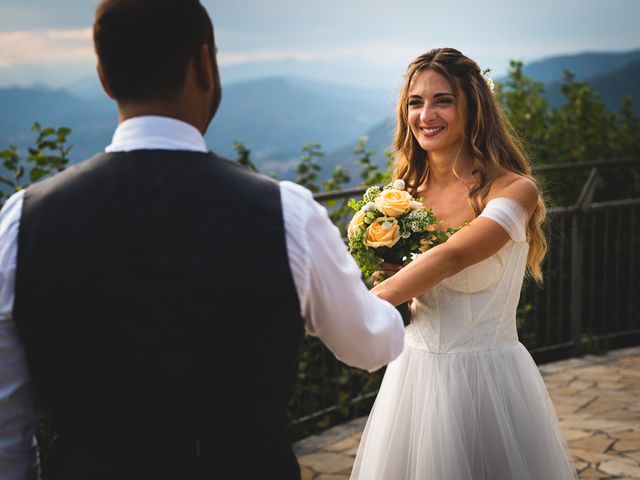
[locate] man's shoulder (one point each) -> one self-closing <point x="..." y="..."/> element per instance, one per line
<point x="301" y="210"/>
<point x="299" y="199"/>
<point x="242" y="180"/>
<point x="64" y="177"/>
<point x="242" y="171"/>
<point x="296" y="191"/>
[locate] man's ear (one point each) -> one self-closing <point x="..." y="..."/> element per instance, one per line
<point x="204" y="62"/>
<point x="105" y="85"/>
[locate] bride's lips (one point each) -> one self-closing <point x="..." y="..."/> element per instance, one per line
<point x="430" y="131"/>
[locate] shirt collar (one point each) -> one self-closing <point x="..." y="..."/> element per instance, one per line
<point x="156" y="133"/>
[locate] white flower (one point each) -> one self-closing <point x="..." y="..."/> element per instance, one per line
<point x="487" y="78"/>
<point x="399" y="184"/>
<point x="371" y="193"/>
<point x="492" y="85"/>
<point x="387" y="225"/>
<point x="369" y="207"/>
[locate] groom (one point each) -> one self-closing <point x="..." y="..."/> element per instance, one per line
<point x="153" y="299"/>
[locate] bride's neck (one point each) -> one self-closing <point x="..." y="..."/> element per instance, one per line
<point x="446" y="169"/>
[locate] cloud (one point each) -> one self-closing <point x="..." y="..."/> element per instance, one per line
<point x="266" y="55"/>
<point x="46" y="46"/>
<point x="74" y="46"/>
<point x="56" y="47"/>
<point x="382" y="54"/>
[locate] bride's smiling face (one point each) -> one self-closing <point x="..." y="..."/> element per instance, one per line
<point x="435" y="113"/>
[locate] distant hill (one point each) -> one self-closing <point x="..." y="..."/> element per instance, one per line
<point x="379" y="139"/>
<point x="585" y="65"/>
<point x="619" y="83"/>
<point x="92" y="121"/>
<point x="273" y="116"/>
<point x="352" y="72"/>
<point x="611" y="86"/>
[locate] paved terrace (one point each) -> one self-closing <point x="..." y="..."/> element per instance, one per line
<point x="597" y="399"/>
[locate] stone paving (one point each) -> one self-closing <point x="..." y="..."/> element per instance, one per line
<point x="597" y="399"/>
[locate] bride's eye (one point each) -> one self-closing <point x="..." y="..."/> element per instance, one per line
<point x="445" y="101"/>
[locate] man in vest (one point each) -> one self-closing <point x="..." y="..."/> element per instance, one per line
<point x="153" y="298"/>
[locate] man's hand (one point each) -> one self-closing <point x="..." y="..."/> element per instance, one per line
<point x="387" y="270"/>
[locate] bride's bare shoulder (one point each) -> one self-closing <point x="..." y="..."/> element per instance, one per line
<point x="516" y="187"/>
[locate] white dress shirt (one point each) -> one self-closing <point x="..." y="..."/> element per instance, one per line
<point x="358" y="327"/>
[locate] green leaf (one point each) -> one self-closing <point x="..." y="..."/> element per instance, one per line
<point x="37" y="173"/>
<point x="50" y="144"/>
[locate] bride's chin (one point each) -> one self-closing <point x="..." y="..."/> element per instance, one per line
<point x="429" y="146"/>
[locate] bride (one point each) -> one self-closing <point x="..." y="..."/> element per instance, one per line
<point x="464" y="401"/>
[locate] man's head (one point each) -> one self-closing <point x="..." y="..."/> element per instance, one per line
<point x="147" y="48"/>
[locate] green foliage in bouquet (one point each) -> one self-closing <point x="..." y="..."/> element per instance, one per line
<point x="390" y="226"/>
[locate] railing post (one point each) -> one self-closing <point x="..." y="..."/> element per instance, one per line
<point x="580" y="210"/>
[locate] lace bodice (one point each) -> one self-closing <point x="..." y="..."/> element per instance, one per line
<point x="474" y="310"/>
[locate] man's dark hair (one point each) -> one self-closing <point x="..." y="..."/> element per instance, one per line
<point x="144" y="46"/>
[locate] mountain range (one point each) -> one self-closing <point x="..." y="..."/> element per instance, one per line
<point x="274" y="116"/>
<point x="584" y="66"/>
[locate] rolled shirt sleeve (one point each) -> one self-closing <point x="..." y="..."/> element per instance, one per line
<point x="360" y="329"/>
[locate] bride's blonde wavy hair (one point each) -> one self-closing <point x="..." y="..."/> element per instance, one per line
<point x="489" y="137"/>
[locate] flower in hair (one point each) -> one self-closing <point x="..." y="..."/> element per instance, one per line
<point x="488" y="79"/>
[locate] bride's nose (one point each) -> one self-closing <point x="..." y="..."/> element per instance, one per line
<point x="428" y="113"/>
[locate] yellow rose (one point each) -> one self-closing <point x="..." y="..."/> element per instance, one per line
<point x="383" y="232"/>
<point x="394" y="202"/>
<point x="356" y="222"/>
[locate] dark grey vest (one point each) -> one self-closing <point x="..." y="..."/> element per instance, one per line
<point x="155" y="301"/>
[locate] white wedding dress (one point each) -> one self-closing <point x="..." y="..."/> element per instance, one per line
<point x="465" y="400"/>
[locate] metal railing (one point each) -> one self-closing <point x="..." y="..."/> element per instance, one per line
<point x="589" y="301"/>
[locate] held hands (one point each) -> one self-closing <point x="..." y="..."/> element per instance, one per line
<point x="388" y="270"/>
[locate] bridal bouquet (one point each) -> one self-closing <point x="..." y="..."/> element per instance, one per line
<point x="391" y="226"/>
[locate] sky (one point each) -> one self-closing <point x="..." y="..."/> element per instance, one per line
<point x="359" y="42"/>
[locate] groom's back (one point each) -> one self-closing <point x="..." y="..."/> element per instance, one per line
<point x="155" y="299"/>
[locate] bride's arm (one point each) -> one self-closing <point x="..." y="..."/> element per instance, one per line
<point x="480" y="239"/>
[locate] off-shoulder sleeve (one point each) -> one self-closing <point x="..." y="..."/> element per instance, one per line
<point x="509" y="215"/>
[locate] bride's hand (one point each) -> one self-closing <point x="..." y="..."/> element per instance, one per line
<point x="387" y="270"/>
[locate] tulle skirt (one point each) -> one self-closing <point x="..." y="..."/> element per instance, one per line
<point x="463" y="416"/>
